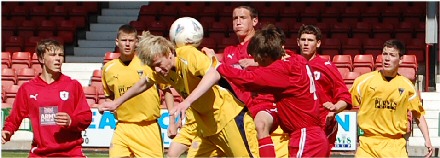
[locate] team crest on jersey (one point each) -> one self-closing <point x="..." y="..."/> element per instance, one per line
<point x="401" y="90"/>
<point x="64" y="95"/>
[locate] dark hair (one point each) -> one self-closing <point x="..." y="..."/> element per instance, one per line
<point x="252" y="11"/>
<point x="46" y="45"/>
<point x="126" y="28"/>
<point x="397" y="44"/>
<point x="267" y="43"/>
<point x="310" y="29"/>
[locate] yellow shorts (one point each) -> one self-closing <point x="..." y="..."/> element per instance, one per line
<point x="237" y="139"/>
<point x="281" y="142"/>
<point x="379" y="146"/>
<point x="186" y="134"/>
<point x="142" y="139"/>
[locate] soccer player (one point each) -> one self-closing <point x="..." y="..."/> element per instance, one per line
<point x="384" y="97"/>
<point x="245" y="18"/>
<point x="291" y="81"/>
<point x="219" y="115"/>
<point x="137" y="132"/>
<point x="328" y="77"/>
<point x="56" y="106"/>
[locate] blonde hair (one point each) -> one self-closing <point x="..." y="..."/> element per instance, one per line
<point x="151" y="46"/>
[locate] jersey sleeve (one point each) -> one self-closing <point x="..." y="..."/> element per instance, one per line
<point x="340" y="90"/>
<point x="107" y="91"/>
<point x="414" y="102"/>
<point x="19" y="111"/>
<point x="82" y="115"/>
<point x="355" y="92"/>
<point x="227" y="52"/>
<point x="274" y="76"/>
<point x="198" y="63"/>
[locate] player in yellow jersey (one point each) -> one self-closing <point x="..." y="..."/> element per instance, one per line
<point x="219" y="115"/>
<point x="137" y="132"/>
<point x="384" y="98"/>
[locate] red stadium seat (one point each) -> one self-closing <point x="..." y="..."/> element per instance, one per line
<point x="10" y="93"/>
<point x="378" y="62"/>
<point x="373" y="46"/>
<point x="351" y="46"/>
<point x="14" y="43"/>
<point x="9" y="77"/>
<point x="20" y="60"/>
<point x="91" y="94"/>
<point x="110" y="56"/>
<point x="331" y="46"/>
<point x="326" y="57"/>
<point x="24" y="75"/>
<point x="139" y="26"/>
<point x="66" y="30"/>
<point x="209" y="42"/>
<point x="343" y="61"/>
<point x="349" y="78"/>
<point x="409" y="67"/>
<point x="39" y="12"/>
<point x="47" y="28"/>
<point x="363" y="63"/>
<point x="96" y="76"/>
<point x="6" y="60"/>
<point x="35" y="64"/>
<point x="189" y="11"/>
<point x="78" y="14"/>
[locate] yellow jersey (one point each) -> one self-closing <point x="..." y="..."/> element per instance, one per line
<point x="384" y="104"/>
<point x="117" y="78"/>
<point x="214" y="109"/>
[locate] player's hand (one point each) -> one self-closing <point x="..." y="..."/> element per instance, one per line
<point x="330" y="106"/>
<point x="62" y="119"/>
<point x="107" y="106"/>
<point x="330" y="116"/>
<point x="430" y="149"/>
<point x="6" y="136"/>
<point x="209" y="52"/>
<point x="180" y="110"/>
<point x="172" y="130"/>
<point x="244" y="63"/>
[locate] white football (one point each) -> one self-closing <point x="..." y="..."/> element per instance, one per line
<point x="186" y="31"/>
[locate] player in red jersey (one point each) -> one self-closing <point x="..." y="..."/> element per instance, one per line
<point x="328" y="77"/>
<point x="56" y="106"/>
<point x="272" y="142"/>
<point x="291" y="82"/>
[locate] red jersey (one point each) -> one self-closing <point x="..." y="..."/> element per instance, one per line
<point x="330" y="80"/>
<point x="40" y="102"/>
<point x="231" y="56"/>
<point x="291" y="82"/>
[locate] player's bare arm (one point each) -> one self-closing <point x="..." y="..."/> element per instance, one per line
<point x="140" y="86"/>
<point x="421" y="123"/>
<point x="211" y="77"/>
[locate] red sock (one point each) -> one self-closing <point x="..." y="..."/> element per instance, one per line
<point x="266" y="147"/>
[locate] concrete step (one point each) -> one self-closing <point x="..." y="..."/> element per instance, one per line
<point x="84" y="59"/>
<point x="116" y="19"/>
<point x="120" y="12"/>
<point x="101" y="36"/>
<point x="127" y="5"/>
<point x="420" y="142"/>
<point x="105" y="27"/>
<point x="96" y="44"/>
<point x="92" y="52"/>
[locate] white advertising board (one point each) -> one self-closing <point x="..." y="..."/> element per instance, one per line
<point x="100" y="131"/>
<point x="346" y="137"/>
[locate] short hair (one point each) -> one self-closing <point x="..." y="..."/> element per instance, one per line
<point x="126" y="28"/>
<point x="47" y="45"/>
<point x="151" y="46"/>
<point x="310" y="29"/>
<point x="397" y="44"/>
<point x="267" y="43"/>
<point x="252" y="11"/>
